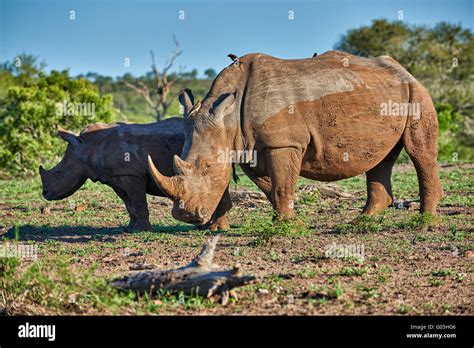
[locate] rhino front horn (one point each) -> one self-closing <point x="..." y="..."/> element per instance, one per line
<point x="165" y="183"/>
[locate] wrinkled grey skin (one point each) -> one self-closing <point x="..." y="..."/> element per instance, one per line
<point x="116" y="155"/>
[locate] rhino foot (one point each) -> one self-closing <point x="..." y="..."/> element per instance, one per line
<point x="220" y="224"/>
<point x="138" y="226"/>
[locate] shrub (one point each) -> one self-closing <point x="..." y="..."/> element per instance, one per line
<point x="450" y="146"/>
<point x="31" y="113"/>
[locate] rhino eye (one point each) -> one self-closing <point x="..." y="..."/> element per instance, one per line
<point x="57" y="171"/>
<point x="206" y="165"/>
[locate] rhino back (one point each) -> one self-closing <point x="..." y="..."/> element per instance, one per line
<point x="121" y="149"/>
<point x="327" y="106"/>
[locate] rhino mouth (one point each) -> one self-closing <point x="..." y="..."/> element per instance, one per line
<point x="196" y="222"/>
<point x="46" y="195"/>
<point x="190" y="218"/>
<point x="50" y="197"/>
<point x="57" y="194"/>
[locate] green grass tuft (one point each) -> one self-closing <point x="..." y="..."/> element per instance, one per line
<point x="443" y="273"/>
<point x="362" y="224"/>
<point x="353" y="271"/>
<point x="420" y="221"/>
<point x="51" y="283"/>
<point x="264" y="229"/>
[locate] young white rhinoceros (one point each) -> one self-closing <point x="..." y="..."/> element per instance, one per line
<point x="116" y="155"/>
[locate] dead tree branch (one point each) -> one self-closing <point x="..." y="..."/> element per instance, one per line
<point x="200" y="277"/>
<point x="158" y="99"/>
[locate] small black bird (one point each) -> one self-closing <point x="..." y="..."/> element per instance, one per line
<point x="234" y="58"/>
<point x="315" y="55"/>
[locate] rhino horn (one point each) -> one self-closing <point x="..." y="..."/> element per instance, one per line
<point x="41" y="170"/>
<point x="165" y="183"/>
<point x="180" y="166"/>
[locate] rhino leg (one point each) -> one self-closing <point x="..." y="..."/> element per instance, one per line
<point x="133" y="192"/>
<point x="379" y="187"/>
<point x="264" y="183"/>
<point x="123" y="196"/>
<point x="421" y="144"/>
<point x="283" y="166"/>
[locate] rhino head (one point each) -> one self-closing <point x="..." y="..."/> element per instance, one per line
<point x="202" y="175"/>
<point x="68" y="175"/>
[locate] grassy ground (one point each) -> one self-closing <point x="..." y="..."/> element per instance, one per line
<point x="406" y="264"/>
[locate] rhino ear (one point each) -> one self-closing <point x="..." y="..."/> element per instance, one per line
<point x="68" y="136"/>
<point x="186" y="99"/>
<point x="224" y="105"/>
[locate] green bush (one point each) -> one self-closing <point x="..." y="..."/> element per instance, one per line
<point x="450" y="146"/>
<point x="31" y="113"/>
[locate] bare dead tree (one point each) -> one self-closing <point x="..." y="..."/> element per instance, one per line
<point x="158" y="97"/>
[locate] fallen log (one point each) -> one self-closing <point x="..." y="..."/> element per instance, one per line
<point x="200" y="277"/>
<point x="326" y="190"/>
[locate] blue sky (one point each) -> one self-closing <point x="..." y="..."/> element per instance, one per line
<point x="105" y="32"/>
